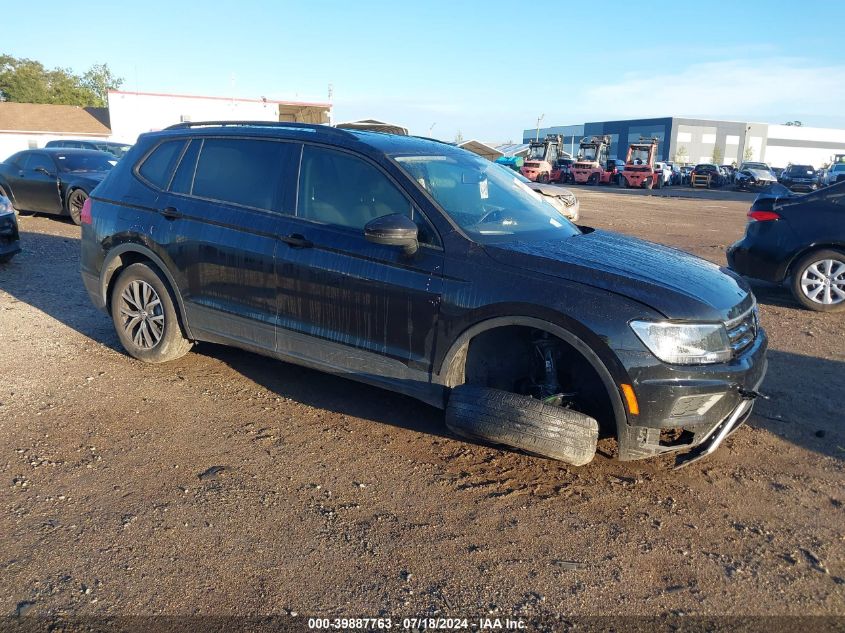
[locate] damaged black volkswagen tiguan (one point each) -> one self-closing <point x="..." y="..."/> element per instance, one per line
<point x="422" y="268"/>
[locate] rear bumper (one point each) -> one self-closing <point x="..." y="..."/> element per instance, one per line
<point x="752" y="260"/>
<point x="92" y="286"/>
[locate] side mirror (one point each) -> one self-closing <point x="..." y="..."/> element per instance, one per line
<point x="395" y="229"/>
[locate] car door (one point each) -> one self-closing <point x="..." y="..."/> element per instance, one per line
<point x="349" y="294"/>
<point x="226" y="205"/>
<point x="35" y="183"/>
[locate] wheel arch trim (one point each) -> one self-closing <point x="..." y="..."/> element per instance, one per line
<point x="801" y="254"/>
<point x="114" y="261"/>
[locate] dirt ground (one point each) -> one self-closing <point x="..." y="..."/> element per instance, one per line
<point x="229" y="483"/>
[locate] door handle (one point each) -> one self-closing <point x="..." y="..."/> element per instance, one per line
<point x="295" y="240"/>
<point x="171" y="213"/>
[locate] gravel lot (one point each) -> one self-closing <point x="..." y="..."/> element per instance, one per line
<point x="229" y="483"/>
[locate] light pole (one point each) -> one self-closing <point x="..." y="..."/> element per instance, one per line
<point x="539" y="118"/>
<point x="431" y="128"/>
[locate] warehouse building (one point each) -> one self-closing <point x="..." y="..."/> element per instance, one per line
<point x="701" y="141"/>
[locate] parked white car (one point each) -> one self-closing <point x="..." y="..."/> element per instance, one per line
<point x="665" y="171"/>
<point x="833" y="174"/>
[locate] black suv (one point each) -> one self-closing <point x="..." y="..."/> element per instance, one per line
<point x="799" y="178"/>
<point x="423" y="268"/>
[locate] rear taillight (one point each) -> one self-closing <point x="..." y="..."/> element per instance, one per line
<point x="762" y="216"/>
<point x="85" y="215"/>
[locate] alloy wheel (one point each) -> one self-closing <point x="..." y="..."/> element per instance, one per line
<point x="75" y="203"/>
<point x="824" y="282"/>
<point x="141" y="314"/>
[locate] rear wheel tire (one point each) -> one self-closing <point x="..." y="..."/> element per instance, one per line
<point x="543" y="178"/>
<point x="73" y="205"/>
<point x="145" y="317"/>
<point x="817" y="280"/>
<point x="648" y="183"/>
<point x="501" y="417"/>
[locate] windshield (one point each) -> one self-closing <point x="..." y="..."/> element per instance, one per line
<point x="801" y="170"/>
<point x="115" y="149"/>
<point x="588" y="153"/>
<point x="537" y="152"/>
<point x="94" y="161"/>
<point x="486" y="200"/>
<point x="639" y="156"/>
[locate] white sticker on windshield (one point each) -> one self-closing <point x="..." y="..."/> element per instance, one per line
<point x="483" y="189"/>
<point x="555" y="223"/>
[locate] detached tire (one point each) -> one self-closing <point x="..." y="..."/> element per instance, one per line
<point x="501" y="417"/>
<point x="145" y="317"/>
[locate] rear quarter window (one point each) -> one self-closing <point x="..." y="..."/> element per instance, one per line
<point x="157" y="167"/>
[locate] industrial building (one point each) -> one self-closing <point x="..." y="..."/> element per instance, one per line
<point x="687" y="140"/>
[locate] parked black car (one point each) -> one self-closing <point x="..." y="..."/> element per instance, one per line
<point x="423" y="268"/>
<point x="9" y="237"/>
<point x="799" y="239"/>
<point x="716" y="178"/>
<point x="53" y="180"/>
<point x="799" y="178"/>
<point x="115" y="149"/>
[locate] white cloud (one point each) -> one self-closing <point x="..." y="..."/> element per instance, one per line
<point x="756" y="89"/>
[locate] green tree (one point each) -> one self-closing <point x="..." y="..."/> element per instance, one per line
<point x="27" y="81"/>
<point x="748" y="154"/>
<point x="717" y="156"/>
<point x="99" y="80"/>
<point x="682" y="154"/>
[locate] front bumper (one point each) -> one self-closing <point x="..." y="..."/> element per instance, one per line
<point x="9" y="235"/>
<point x="692" y="408"/>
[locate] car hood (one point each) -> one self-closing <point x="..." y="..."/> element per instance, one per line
<point x="676" y="284"/>
<point x="761" y="174"/>
<point x="550" y="190"/>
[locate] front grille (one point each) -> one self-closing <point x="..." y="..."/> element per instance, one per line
<point x="743" y="330"/>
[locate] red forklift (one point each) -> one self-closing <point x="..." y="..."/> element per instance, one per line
<point x="592" y="166"/>
<point x="639" y="164"/>
<point x="543" y="158"/>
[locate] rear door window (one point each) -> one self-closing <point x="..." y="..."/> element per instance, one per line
<point x="248" y="172"/>
<point x="159" y="164"/>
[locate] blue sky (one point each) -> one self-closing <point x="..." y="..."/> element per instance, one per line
<point x="488" y="69"/>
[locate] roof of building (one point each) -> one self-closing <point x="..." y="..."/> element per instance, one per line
<point x="512" y="149"/>
<point x="482" y="149"/>
<point x="44" y="117"/>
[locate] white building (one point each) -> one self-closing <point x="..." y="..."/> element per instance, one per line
<point x="31" y="125"/>
<point x="133" y="113"/>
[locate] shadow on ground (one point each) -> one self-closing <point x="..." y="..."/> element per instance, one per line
<point x="807" y="393"/>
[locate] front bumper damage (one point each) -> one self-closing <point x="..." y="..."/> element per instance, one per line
<point x="723" y="396"/>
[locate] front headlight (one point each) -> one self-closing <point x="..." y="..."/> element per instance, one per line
<point x="685" y="343"/>
<point x="6" y="206"/>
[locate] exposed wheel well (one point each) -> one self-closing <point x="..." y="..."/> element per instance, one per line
<point x="507" y="358"/>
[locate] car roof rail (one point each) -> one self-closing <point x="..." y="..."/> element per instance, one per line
<point x="316" y="127"/>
